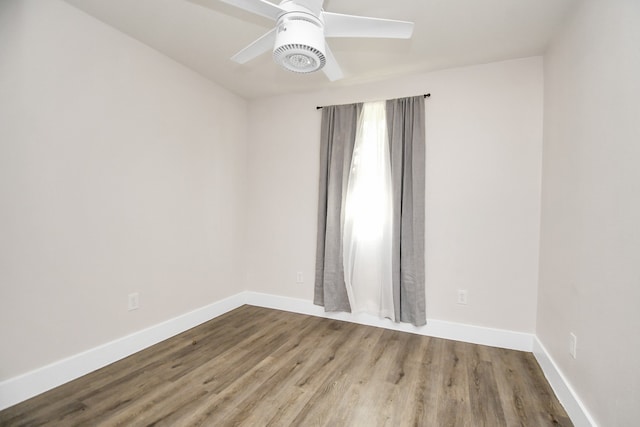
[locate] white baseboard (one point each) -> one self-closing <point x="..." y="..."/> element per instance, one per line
<point x="23" y="387"/>
<point x="20" y="388"/>
<point x="434" y="328"/>
<point x="566" y="395"/>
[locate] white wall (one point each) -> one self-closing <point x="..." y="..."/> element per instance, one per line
<point x="484" y="144"/>
<point x="120" y="171"/>
<point x="590" y="244"/>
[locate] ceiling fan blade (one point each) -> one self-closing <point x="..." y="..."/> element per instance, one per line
<point x="314" y="6"/>
<point x="259" y="7"/>
<point x="257" y="48"/>
<point x="339" y="25"/>
<point x="331" y="69"/>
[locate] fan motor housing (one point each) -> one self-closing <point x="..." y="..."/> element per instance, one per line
<point x="299" y="45"/>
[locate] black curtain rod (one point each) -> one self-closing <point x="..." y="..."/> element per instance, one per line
<point x="426" y="95"/>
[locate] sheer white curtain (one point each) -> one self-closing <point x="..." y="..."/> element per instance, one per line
<point x="368" y="212"/>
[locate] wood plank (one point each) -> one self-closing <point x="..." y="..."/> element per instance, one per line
<point x="453" y="404"/>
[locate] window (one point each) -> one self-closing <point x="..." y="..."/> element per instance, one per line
<point x="367" y="223"/>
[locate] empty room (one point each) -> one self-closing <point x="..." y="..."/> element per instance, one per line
<point x="307" y="212"/>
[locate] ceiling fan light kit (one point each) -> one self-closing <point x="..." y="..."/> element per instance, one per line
<point x="298" y="40"/>
<point x="299" y="45"/>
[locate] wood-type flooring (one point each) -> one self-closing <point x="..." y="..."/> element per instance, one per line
<point x="260" y="367"/>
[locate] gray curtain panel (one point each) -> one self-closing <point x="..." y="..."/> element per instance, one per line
<point x="406" y="127"/>
<point x="337" y="139"/>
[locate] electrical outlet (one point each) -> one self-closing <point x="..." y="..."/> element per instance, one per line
<point x="134" y="301"/>
<point x="573" y="345"/>
<point x="462" y="297"/>
<point x="299" y="278"/>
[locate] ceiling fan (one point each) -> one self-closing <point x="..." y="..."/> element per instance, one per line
<point x="298" y="39"/>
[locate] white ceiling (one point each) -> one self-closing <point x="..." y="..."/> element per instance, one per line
<point x="204" y="34"/>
